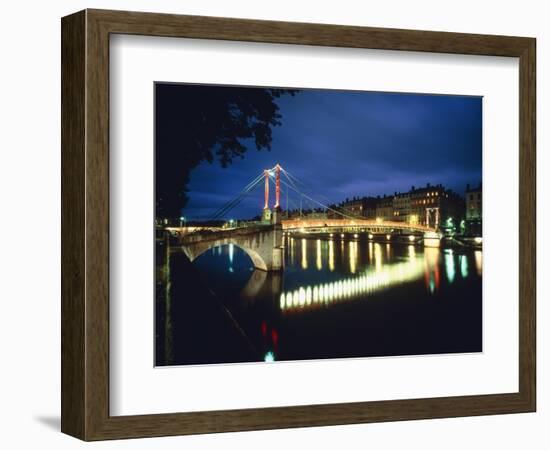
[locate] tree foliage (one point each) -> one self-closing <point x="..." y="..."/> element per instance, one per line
<point x="206" y="123"/>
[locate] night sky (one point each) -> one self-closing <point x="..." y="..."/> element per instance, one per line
<point x="343" y="144"/>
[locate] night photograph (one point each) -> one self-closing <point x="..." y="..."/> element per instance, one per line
<point x="310" y="224"/>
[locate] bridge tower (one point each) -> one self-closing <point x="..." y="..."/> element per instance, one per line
<point x="276" y="217"/>
<point x="266" y="213"/>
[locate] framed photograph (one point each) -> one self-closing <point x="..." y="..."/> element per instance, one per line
<point x="270" y="224"/>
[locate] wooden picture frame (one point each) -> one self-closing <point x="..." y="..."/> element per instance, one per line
<point x="85" y="224"/>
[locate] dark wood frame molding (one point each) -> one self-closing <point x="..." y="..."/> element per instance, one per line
<point x="85" y="224"/>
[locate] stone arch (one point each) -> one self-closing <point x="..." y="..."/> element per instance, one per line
<point x="194" y="251"/>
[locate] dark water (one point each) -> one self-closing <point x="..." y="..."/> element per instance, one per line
<point x="335" y="298"/>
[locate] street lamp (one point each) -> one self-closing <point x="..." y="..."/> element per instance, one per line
<point x="182" y="220"/>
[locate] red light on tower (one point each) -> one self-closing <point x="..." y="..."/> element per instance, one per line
<point x="277" y="184"/>
<point x="266" y="174"/>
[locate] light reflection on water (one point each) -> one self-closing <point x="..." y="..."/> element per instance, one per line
<point x="356" y="271"/>
<point x="319" y="259"/>
<point x="479" y="261"/>
<point x="450" y="265"/>
<point x="384" y="296"/>
<point x="381" y="275"/>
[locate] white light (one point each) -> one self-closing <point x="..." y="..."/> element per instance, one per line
<point x="388" y="236"/>
<point x="342" y="235"/>
<point x="478" y="240"/>
<point x="347" y="289"/>
<point x="355" y="236"/>
<point x="411" y="238"/>
<point x="370" y="236"/>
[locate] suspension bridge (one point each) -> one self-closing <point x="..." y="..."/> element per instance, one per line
<point x="263" y="239"/>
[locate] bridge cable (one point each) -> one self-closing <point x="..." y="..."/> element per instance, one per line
<point x="238" y="199"/>
<point x="290" y="176"/>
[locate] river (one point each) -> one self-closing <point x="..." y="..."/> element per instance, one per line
<point x="336" y="298"/>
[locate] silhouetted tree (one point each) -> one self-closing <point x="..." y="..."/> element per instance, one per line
<point x="197" y="123"/>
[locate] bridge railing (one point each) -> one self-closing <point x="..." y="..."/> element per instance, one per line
<point x="295" y="224"/>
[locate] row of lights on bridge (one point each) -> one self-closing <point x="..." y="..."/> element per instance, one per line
<point x="371" y="236"/>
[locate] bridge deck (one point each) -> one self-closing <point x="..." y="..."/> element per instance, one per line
<point x="207" y="234"/>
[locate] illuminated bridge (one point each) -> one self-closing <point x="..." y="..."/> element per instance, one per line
<point x="351" y="225"/>
<point x="263" y="240"/>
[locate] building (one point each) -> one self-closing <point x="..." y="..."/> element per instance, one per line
<point x="402" y="207"/>
<point x="432" y="206"/>
<point x="369" y="207"/>
<point x="353" y="207"/>
<point x="473" y="203"/>
<point x="384" y="208"/>
<point x="436" y="206"/>
<point x="474" y="210"/>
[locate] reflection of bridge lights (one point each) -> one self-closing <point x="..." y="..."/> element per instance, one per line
<point x="349" y="288"/>
<point x="302" y="296"/>
<point x="331" y="256"/>
<point x="432" y="284"/>
<point x="319" y="261"/>
<point x="353" y="256"/>
<point x="479" y="260"/>
<point x="378" y="256"/>
<point x="463" y="266"/>
<point x="269" y="357"/>
<point x="431" y="255"/>
<point x="412" y="251"/>
<point x="450" y="266"/>
<point x="304" y="254"/>
<point x="231" y="251"/>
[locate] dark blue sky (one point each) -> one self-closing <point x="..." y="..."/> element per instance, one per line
<point x="345" y="144"/>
